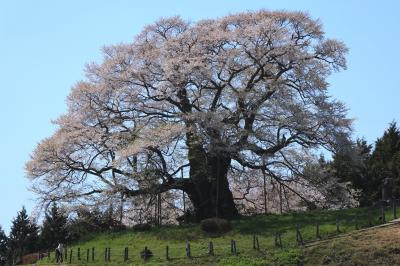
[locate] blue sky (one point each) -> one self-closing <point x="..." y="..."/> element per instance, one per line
<point x="44" y="46"/>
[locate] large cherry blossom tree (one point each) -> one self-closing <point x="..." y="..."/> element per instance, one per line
<point x="209" y="101"/>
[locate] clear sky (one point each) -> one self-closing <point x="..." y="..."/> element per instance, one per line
<point x="44" y="46"/>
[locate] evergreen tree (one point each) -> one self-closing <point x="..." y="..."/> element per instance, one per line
<point x="23" y="236"/>
<point x="351" y="166"/>
<point x="3" y="245"/>
<point x="385" y="161"/>
<point x="109" y="220"/>
<point x="92" y="220"/>
<point x="86" y="221"/>
<point x="54" y="228"/>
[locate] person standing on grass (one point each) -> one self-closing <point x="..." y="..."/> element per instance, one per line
<point x="59" y="254"/>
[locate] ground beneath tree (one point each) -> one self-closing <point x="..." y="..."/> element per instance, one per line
<point x="374" y="246"/>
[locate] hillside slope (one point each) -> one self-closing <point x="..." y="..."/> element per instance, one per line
<point x="244" y="230"/>
<point x="378" y="246"/>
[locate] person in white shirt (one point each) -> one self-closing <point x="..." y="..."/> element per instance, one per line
<point x="59" y="253"/>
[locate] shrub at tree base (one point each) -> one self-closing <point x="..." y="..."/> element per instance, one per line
<point x="188" y="217"/>
<point x="215" y="225"/>
<point x="30" y="258"/>
<point x="141" y="227"/>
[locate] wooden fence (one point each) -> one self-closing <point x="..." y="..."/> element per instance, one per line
<point x="371" y="217"/>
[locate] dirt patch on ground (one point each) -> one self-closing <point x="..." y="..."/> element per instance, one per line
<point x="380" y="246"/>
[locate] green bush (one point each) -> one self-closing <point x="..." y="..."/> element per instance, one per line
<point x="141" y="227"/>
<point x="215" y="225"/>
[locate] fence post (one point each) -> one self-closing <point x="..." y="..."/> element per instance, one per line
<point x="317" y="233"/>
<point x="167" y="252"/>
<point x="70" y="256"/>
<point x="394" y="209"/>
<point x="188" y="253"/>
<point x="299" y="238"/>
<point x="278" y="239"/>
<point x="257" y="243"/>
<point x="337" y="225"/>
<point x="87" y="255"/>
<point x="79" y="253"/>
<point x="356" y="221"/>
<point x="234" y="247"/>
<point x="211" y="248"/>
<point x="66" y="254"/>
<point x="109" y="254"/>
<point x="383" y="214"/>
<point x="127" y="253"/>
<point x="92" y="254"/>
<point x="369" y="217"/>
<point x="105" y="254"/>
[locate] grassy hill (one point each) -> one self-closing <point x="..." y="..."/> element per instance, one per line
<point x="264" y="227"/>
<point x="378" y="246"/>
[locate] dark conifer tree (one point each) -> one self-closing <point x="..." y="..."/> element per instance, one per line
<point x="54" y="228"/>
<point x="109" y="219"/>
<point x="23" y="236"/>
<point x="3" y="245"/>
<point x="351" y="165"/>
<point x="385" y="161"/>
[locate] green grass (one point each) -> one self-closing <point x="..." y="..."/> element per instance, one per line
<point x="264" y="226"/>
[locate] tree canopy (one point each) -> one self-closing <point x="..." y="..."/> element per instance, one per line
<point x="216" y="100"/>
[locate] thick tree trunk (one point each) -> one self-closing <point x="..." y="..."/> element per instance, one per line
<point x="208" y="189"/>
<point x="208" y="186"/>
